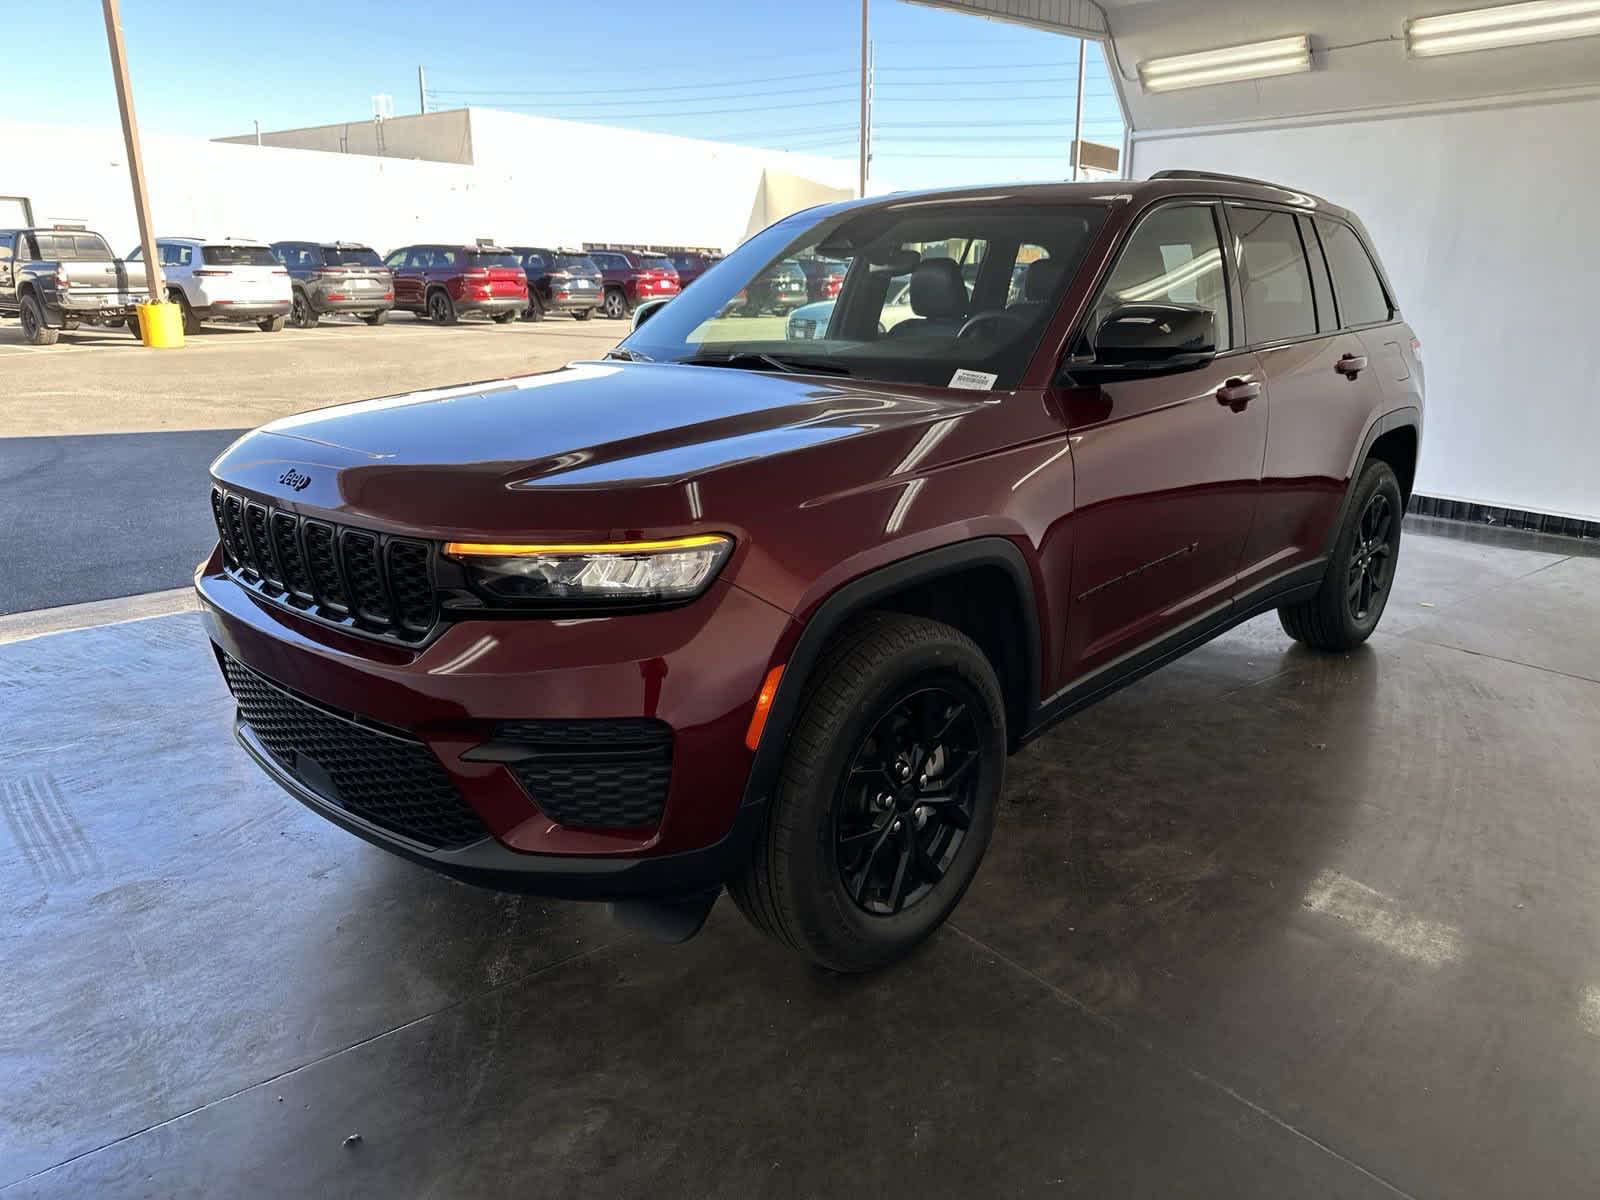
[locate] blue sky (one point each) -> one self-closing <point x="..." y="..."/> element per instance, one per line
<point x="957" y="99"/>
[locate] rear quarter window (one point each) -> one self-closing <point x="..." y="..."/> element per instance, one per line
<point x="1359" y="291"/>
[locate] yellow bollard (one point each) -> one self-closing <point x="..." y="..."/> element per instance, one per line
<point x="161" y="326"/>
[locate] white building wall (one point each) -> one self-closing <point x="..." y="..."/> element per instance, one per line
<point x="531" y="181"/>
<point x="1484" y="216"/>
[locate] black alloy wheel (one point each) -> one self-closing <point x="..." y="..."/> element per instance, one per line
<point x="441" y="311"/>
<point x="1371" y="557"/>
<point x="301" y="314"/>
<point x="907" y="803"/>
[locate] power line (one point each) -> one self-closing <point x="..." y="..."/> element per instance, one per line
<point x="698" y="112"/>
<point x="629" y="91"/>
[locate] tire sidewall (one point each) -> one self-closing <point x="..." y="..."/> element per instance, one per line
<point x="815" y="885"/>
<point x="1377" y="476"/>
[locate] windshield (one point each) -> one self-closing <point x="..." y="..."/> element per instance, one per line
<point x="238" y="256"/>
<point x="491" y="258"/>
<point x="927" y="292"/>
<point x="72" y="247"/>
<point x="581" y="264"/>
<point x="350" y="256"/>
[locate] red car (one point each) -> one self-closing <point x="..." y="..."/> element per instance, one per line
<point x="445" y="282"/>
<point x="726" y="610"/>
<point x="632" y="277"/>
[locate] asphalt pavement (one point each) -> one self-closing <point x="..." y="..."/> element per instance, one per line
<point x="103" y="515"/>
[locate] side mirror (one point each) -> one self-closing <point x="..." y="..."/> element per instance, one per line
<point x="647" y="310"/>
<point x="1143" y="339"/>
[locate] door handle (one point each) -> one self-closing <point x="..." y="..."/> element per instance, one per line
<point x="1237" y="393"/>
<point x="1351" y="365"/>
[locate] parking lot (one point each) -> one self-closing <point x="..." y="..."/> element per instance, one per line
<point x="105" y="443"/>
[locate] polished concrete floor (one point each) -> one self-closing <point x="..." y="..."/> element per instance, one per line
<point x="1265" y="924"/>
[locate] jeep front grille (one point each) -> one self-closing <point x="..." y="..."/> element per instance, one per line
<point x="358" y="579"/>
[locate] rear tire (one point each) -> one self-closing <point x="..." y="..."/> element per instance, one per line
<point x="191" y="323"/>
<point x="616" y="304"/>
<point x="133" y="326"/>
<point x="33" y="324"/>
<point x="535" y="309"/>
<point x="441" y="309"/>
<point x="301" y="314"/>
<point x="377" y="318"/>
<point x="272" y="324"/>
<point x="851" y="868"/>
<point x="1348" y="605"/>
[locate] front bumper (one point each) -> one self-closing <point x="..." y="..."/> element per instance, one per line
<point x="697" y="668"/>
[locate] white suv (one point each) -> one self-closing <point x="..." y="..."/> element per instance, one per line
<point x="225" y="279"/>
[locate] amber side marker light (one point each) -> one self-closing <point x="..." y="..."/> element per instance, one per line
<point x="525" y="549"/>
<point x="758" y="719"/>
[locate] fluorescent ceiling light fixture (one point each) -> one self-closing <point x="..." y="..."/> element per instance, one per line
<point x="1258" y="60"/>
<point x="1502" y="25"/>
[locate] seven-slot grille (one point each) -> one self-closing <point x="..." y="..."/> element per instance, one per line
<point x="364" y="581"/>
<point x="385" y="777"/>
<point x="610" y="773"/>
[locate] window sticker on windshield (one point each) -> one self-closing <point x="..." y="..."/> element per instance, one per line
<point x="977" y="381"/>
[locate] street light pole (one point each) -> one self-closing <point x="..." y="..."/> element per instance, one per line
<point x="1077" y="124"/>
<point x="865" y="68"/>
<point x="130" y="136"/>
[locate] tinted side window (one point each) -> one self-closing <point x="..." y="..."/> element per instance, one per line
<point x="396" y="257"/>
<point x="1321" y="285"/>
<point x="1273" y="275"/>
<point x="5" y="247"/>
<point x="1173" y="257"/>
<point x="1361" y="297"/>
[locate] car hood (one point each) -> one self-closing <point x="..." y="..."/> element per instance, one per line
<point x="578" y="448"/>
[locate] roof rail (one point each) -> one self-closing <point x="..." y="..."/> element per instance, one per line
<point x="1218" y="175"/>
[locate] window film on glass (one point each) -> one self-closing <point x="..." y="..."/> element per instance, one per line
<point x="1173" y="257"/>
<point x="1321" y="285"/>
<point x="1273" y="275"/>
<point x="1362" y="300"/>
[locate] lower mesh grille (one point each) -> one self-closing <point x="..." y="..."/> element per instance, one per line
<point x="389" y="779"/>
<point x="597" y="773"/>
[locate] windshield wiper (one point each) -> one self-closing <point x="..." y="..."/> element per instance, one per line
<point x="627" y="355"/>
<point x="752" y="361"/>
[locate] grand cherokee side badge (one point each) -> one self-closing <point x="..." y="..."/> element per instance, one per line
<point x="295" y="480"/>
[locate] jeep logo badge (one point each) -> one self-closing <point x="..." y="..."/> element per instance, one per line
<point x="294" y="480"/>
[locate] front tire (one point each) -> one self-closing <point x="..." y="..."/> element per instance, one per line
<point x="887" y="797"/>
<point x="504" y="318"/>
<point x="271" y="324"/>
<point x="1347" y="607"/>
<point x="34" y="327"/>
<point x="582" y="314"/>
<point x="376" y="318"/>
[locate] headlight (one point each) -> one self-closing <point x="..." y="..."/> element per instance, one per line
<point x="626" y="573"/>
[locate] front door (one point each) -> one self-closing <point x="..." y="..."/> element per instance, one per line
<point x="1166" y="468"/>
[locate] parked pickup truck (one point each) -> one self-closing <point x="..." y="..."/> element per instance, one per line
<point x="59" y="278"/>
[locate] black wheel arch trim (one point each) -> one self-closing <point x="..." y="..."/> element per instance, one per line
<point x="859" y="595"/>
<point x="1399" y="418"/>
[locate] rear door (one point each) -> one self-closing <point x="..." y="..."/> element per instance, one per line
<point x="8" y="259"/>
<point x="1166" y="468"/>
<point x="1319" y="379"/>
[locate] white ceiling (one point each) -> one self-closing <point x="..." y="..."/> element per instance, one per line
<point x="1358" y="54"/>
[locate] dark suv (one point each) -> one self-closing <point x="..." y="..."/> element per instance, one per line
<point x="729" y="610"/>
<point x="690" y="265"/>
<point x="443" y="282"/>
<point x="335" y="277"/>
<point x="632" y="277"/>
<point x="559" y="281"/>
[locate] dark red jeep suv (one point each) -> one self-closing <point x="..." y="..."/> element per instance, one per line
<point x="723" y="610"/>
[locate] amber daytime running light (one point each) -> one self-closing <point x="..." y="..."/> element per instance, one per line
<point x="665" y="570"/>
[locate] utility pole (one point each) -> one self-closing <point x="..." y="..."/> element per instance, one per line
<point x="1077" y="124"/>
<point x="865" y="69"/>
<point x="422" y="91"/>
<point x="130" y="136"/>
